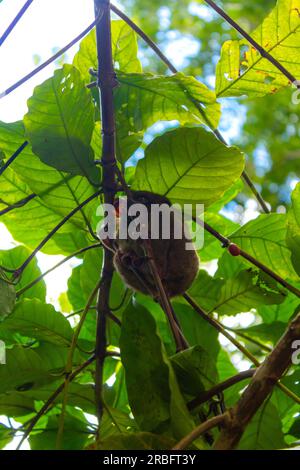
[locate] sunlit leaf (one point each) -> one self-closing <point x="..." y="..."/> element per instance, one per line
<point x="243" y="71"/>
<point x="189" y="165"/>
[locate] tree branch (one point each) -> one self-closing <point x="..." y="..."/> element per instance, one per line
<point x="208" y="394"/>
<point x="15" y="21"/>
<point x="106" y="82"/>
<point x="226" y="243"/>
<point x="262" y="384"/>
<point x="199" y="430"/>
<point x="215" y="324"/>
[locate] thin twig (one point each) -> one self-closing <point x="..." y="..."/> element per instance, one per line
<point x="52" y="398"/>
<point x="18" y="204"/>
<point x="254" y="43"/>
<point x="199" y="430"/>
<point x="208" y="394"/>
<point x="67" y="258"/>
<point x="51" y="59"/>
<point x="13" y="157"/>
<point x="226" y="242"/>
<point x="20" y="270"/>
<point x="15" y="21"/>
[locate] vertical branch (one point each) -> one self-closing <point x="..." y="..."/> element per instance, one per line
<point x="106" y="83"/>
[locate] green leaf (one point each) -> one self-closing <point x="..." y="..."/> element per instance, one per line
<point x="15" y="404"/>
<point x="243" y="71"/>
<point x="25" y="369"/>
<point x="281" y="312"/>
<point x="196" y="330"/>
<point x="57" y="194"/>
<point x="13" y="259"/>
<point x="188" y="165"/>
<point x="258" y="436"/>
<point x="264" y="239"/>
<point x="153" y="392"/>
<point x="293" y="229"/>
<point x="75" y="435"/>
<point x="264" y="332"/>
<point x="60" y="121"/>
<point x="7" y="298"/>
<point x="145" y="99"/>
<point x="5" y="436"/>
<point x="195" y="370"/>
<point x="244" y="292"/>
<point x="35" y="319"/>
<point x="124" y="51"/>
<point x="205" y="290"/>
<point x="212" y="248"/>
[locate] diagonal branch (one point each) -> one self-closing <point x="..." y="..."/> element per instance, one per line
<point x="13" y="157"/>
<point x="261" y="385"/>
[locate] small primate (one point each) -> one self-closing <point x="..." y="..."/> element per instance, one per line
<point x="177" y="266"/>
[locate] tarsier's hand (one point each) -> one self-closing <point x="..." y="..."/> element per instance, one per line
<point x="176" y="265"/>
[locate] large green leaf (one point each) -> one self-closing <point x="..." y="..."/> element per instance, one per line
<point x="60" y="122"/>
<point x="195" y="370"/>
<point x="244" y="292"/>
<point x="25" y="369"/>
<point x="124" y="50"/>
<point x="264" y="431"/>
<point x="15" y="404"/>
<point x="74" y="437"/>
<point x="264" y="239"/>
<point x="35" y="319"/>
<point x="242" y="70"/>
<point x="146" y="98"/>
<point x="293" y="231"/>
<point x="13" y="259"/>
<point x="58" y="194"/>
<point x="7" y="298"/>
<point x="189" y="165"/>
<point x="153" y="392"/>
<point x="197" y="330"/>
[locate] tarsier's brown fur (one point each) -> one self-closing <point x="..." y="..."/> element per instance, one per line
<point x="176" y="265"/>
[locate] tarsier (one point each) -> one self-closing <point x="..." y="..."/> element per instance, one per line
<point x="176" y="266"/>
